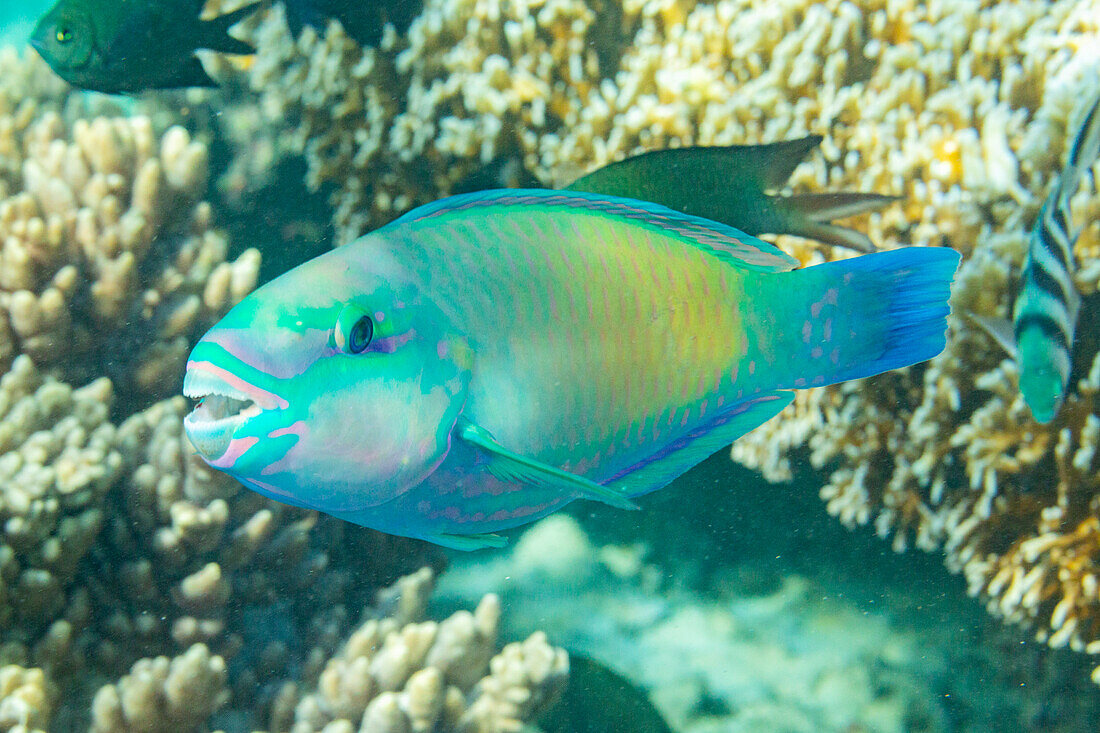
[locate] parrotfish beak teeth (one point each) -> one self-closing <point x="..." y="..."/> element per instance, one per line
<point x="220" y="410"/>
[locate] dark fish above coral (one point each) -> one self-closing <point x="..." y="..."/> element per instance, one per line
<point x="730" y="184"/>
<point x="363" y="20"/>
<point x="119" y="46"/>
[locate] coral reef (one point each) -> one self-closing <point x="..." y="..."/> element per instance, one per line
<point x="163" y="696"/>
<point x="26" y="699"/>
<point x="109" y="257"/>
<point x="119" y="549"/>
<point x="390" y="678"/>
<point x="963" y="109"/>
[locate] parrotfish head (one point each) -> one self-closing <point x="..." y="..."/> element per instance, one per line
<point x="334" y="386"/>
<point x="66" y="38"/>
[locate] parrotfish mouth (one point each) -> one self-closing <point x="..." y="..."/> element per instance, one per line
<point x="224" y="403"/>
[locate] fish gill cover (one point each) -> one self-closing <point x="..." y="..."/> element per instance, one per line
<point x="963" y="109"/>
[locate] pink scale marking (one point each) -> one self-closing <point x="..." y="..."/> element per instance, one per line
<point x="237" y="448"/>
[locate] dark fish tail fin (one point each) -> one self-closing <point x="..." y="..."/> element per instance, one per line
<point x="215" y="32"/>
<point x="811" y="215"/>
<point x="865" y="315"/>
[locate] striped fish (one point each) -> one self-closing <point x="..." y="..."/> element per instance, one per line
<point x="486" y="359"/>
<point x="1045" y="315"/>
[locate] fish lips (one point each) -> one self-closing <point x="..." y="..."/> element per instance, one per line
<point x="221" y="409"/>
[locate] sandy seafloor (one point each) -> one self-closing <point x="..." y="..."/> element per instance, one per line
<point x="742" y="606"/>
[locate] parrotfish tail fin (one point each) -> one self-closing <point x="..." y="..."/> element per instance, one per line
<point x="860" y="316"/>
<point x="215" y="32"/>
<point x="811" y="215"/>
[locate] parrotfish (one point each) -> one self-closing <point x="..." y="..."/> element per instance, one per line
<point x="117" y="46"/>
<point x="1044" y="317"/>
<point x="486" y="359"/>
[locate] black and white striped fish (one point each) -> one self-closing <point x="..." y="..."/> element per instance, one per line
<point x="1045" y="315"/>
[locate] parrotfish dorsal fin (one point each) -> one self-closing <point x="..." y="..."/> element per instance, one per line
<point x="721" y="240"/>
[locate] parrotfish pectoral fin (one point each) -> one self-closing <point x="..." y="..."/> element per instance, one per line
<point x="999" y="329"/>
<point x="467" y="542"/>
<point x="674" y="459"/>
<point x="509" y="466"/>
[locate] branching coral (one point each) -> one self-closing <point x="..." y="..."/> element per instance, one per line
<point x="108" y="256"/>
<point x="27" y="699"/>
<point x="392" y="678"/>
<point x="163" y="696"/>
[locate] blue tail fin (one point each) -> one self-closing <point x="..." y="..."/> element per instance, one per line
<point x="867" y="315"/>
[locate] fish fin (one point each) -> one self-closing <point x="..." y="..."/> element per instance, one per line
<point x="659" y="469"/>
<point x="467" y="542"/>
<point x="720" y="240"/>
<point x="824" y="207"/>
<point x="861" y="316"/>
<point x="215" y="32"/>
<point x="775" y="162"/>
<point x="999" y="329"/>
<point x="810" y="215"/>
<point x="190" y="74"/>
<point x="512" y="467"/>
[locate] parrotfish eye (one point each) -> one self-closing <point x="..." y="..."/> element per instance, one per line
<point x="64" y="34"/>
<point x="354" y="330"/>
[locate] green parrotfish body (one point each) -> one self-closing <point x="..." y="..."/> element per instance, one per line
<point x="118" y="46"/>
<point x="486" y="359"/>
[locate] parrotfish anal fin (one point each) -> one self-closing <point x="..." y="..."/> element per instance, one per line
<point x="999" y="329"/>
<point x="509" y="466"/>
<point x="720" y="240"/>
<point x="467" y="542"/>
<point x="659" y="469"/>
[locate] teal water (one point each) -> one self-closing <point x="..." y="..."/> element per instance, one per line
<point x="18" y="18"/>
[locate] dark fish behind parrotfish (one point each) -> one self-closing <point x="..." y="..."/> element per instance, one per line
<point x="362" y="20"/>
<point x="730" y="184"/>
<point x="119" y="46"/>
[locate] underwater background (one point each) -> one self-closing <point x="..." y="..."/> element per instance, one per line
<point x="910" y="552"/>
